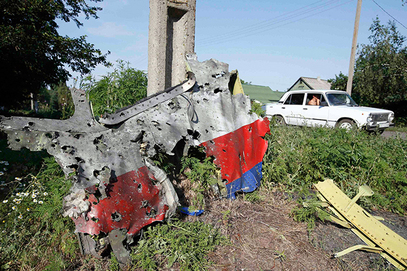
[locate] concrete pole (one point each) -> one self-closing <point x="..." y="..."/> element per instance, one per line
<point x="171" y="36"/>
<point x="353" y="51"/>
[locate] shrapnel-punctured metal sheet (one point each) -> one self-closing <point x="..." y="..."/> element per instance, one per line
<point x="115" y="187"/>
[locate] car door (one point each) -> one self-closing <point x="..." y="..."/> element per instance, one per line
<point x="315" y="114"/>
<point x="293" y="108"/>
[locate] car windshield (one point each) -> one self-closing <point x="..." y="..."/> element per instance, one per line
<point x="340" y="99"/>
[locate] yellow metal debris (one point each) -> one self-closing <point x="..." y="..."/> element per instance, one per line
<point x="377" y="236"/>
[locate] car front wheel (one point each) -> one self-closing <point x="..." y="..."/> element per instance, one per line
<point x="346" y="124"/>
<point x="279" y="121"/>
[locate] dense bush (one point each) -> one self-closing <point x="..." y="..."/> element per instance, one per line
<point x="122" y="87"/>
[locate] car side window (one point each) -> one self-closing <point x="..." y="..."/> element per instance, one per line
<point x="314" y="99"/>
<point x="295" y="99"/>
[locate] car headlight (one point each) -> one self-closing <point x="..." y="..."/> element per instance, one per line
<point x="391" y="117"/>
<point x="369" y="118"/>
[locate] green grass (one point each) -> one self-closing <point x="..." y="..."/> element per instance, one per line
<point x="185" y="243"/>
<point x="34" y="235"/>
<point x="299" y="157"/>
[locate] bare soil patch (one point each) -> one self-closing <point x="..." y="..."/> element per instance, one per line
<point x="263" y="236"/>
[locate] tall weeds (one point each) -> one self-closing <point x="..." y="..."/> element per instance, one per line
<point x="299" y="157"/>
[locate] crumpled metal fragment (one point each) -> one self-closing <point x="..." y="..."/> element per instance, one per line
<point x="115" y="185"/>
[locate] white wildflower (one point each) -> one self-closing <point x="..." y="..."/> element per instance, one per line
<point x="20" y="216"/>
<point x="45" y="194"/>
<point x="34" y="200"/>
<point x="40" y="202"/>
<point x="33" y="196"/>
<point x="5" y="201"/>
<point x="1" y="173"/>
<point x="6" y="163"/>
<point x="18" y="178"/>
<point x="18" y="194"/>
<point x="14" y="207"/>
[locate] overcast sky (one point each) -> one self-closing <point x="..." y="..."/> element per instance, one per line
<point x="271" y="43"/>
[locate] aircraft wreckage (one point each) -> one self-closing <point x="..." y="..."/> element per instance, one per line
<point x="117" y="190"/>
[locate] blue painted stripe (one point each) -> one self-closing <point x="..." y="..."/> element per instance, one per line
<point x="249" y="181"/>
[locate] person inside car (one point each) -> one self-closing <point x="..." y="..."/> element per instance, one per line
<point x="314" y="101"/>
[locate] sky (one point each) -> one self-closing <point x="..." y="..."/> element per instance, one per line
<point x="271" y="43"/>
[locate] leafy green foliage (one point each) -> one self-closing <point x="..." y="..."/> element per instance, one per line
<point x="56" y="102"/>
<point x="253" y="197"/>
<point x="32" y="52"/>
<point x="380" y="77"/>
<point x="309" y="214"/>
<point x="339" y="82"/>
<point x="380" y="68"/>
<point x="201" y="171"/>
<point x="297" y="158"/>
<point x="32" y="231"/>
<point x="256" y="108"/>
<point x="185" y="243"/>
<point x="122" y="87"/>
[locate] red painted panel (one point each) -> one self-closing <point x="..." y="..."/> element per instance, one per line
<point x="132" y="202"/>
<point x="239" y="151"/>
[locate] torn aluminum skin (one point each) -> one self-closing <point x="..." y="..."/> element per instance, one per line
<point x="116" y="187"/>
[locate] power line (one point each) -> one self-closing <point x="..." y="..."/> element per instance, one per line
<point x="255" y="26"/>
<point x="389" y="14"/>
<point x="269" y="27"/>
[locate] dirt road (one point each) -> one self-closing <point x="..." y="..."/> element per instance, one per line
<point x="391" y="134"/>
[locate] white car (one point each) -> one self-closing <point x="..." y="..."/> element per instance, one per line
<point x="330" y="108"/>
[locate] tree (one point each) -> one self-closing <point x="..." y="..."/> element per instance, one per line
<point x="339" y="82"/>
<point x="243" y="82"/>
<point x="380" y="72"/>
<point x="32" y="52"/>
<point x="122" y="87"/>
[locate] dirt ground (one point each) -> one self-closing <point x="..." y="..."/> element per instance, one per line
<point x="263" y="236"/>
<point x="392" y="134"/>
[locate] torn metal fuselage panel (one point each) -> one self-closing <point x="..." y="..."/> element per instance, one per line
<point x="115" y="185"/>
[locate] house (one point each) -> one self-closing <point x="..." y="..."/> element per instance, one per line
<point x="262" y="94"/>
<point x="305" y="83"/>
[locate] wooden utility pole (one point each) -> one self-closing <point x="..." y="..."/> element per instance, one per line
<point x="353" y="51"/>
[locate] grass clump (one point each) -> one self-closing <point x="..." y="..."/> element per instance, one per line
<point x="202" y="173"/>
<point x="299" y="157"/>
<point x="33" y="234"/>
<point x="184" y="243"/>
<point x="310" y="213"/>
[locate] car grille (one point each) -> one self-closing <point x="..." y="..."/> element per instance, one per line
<point x="380" y="117"/>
